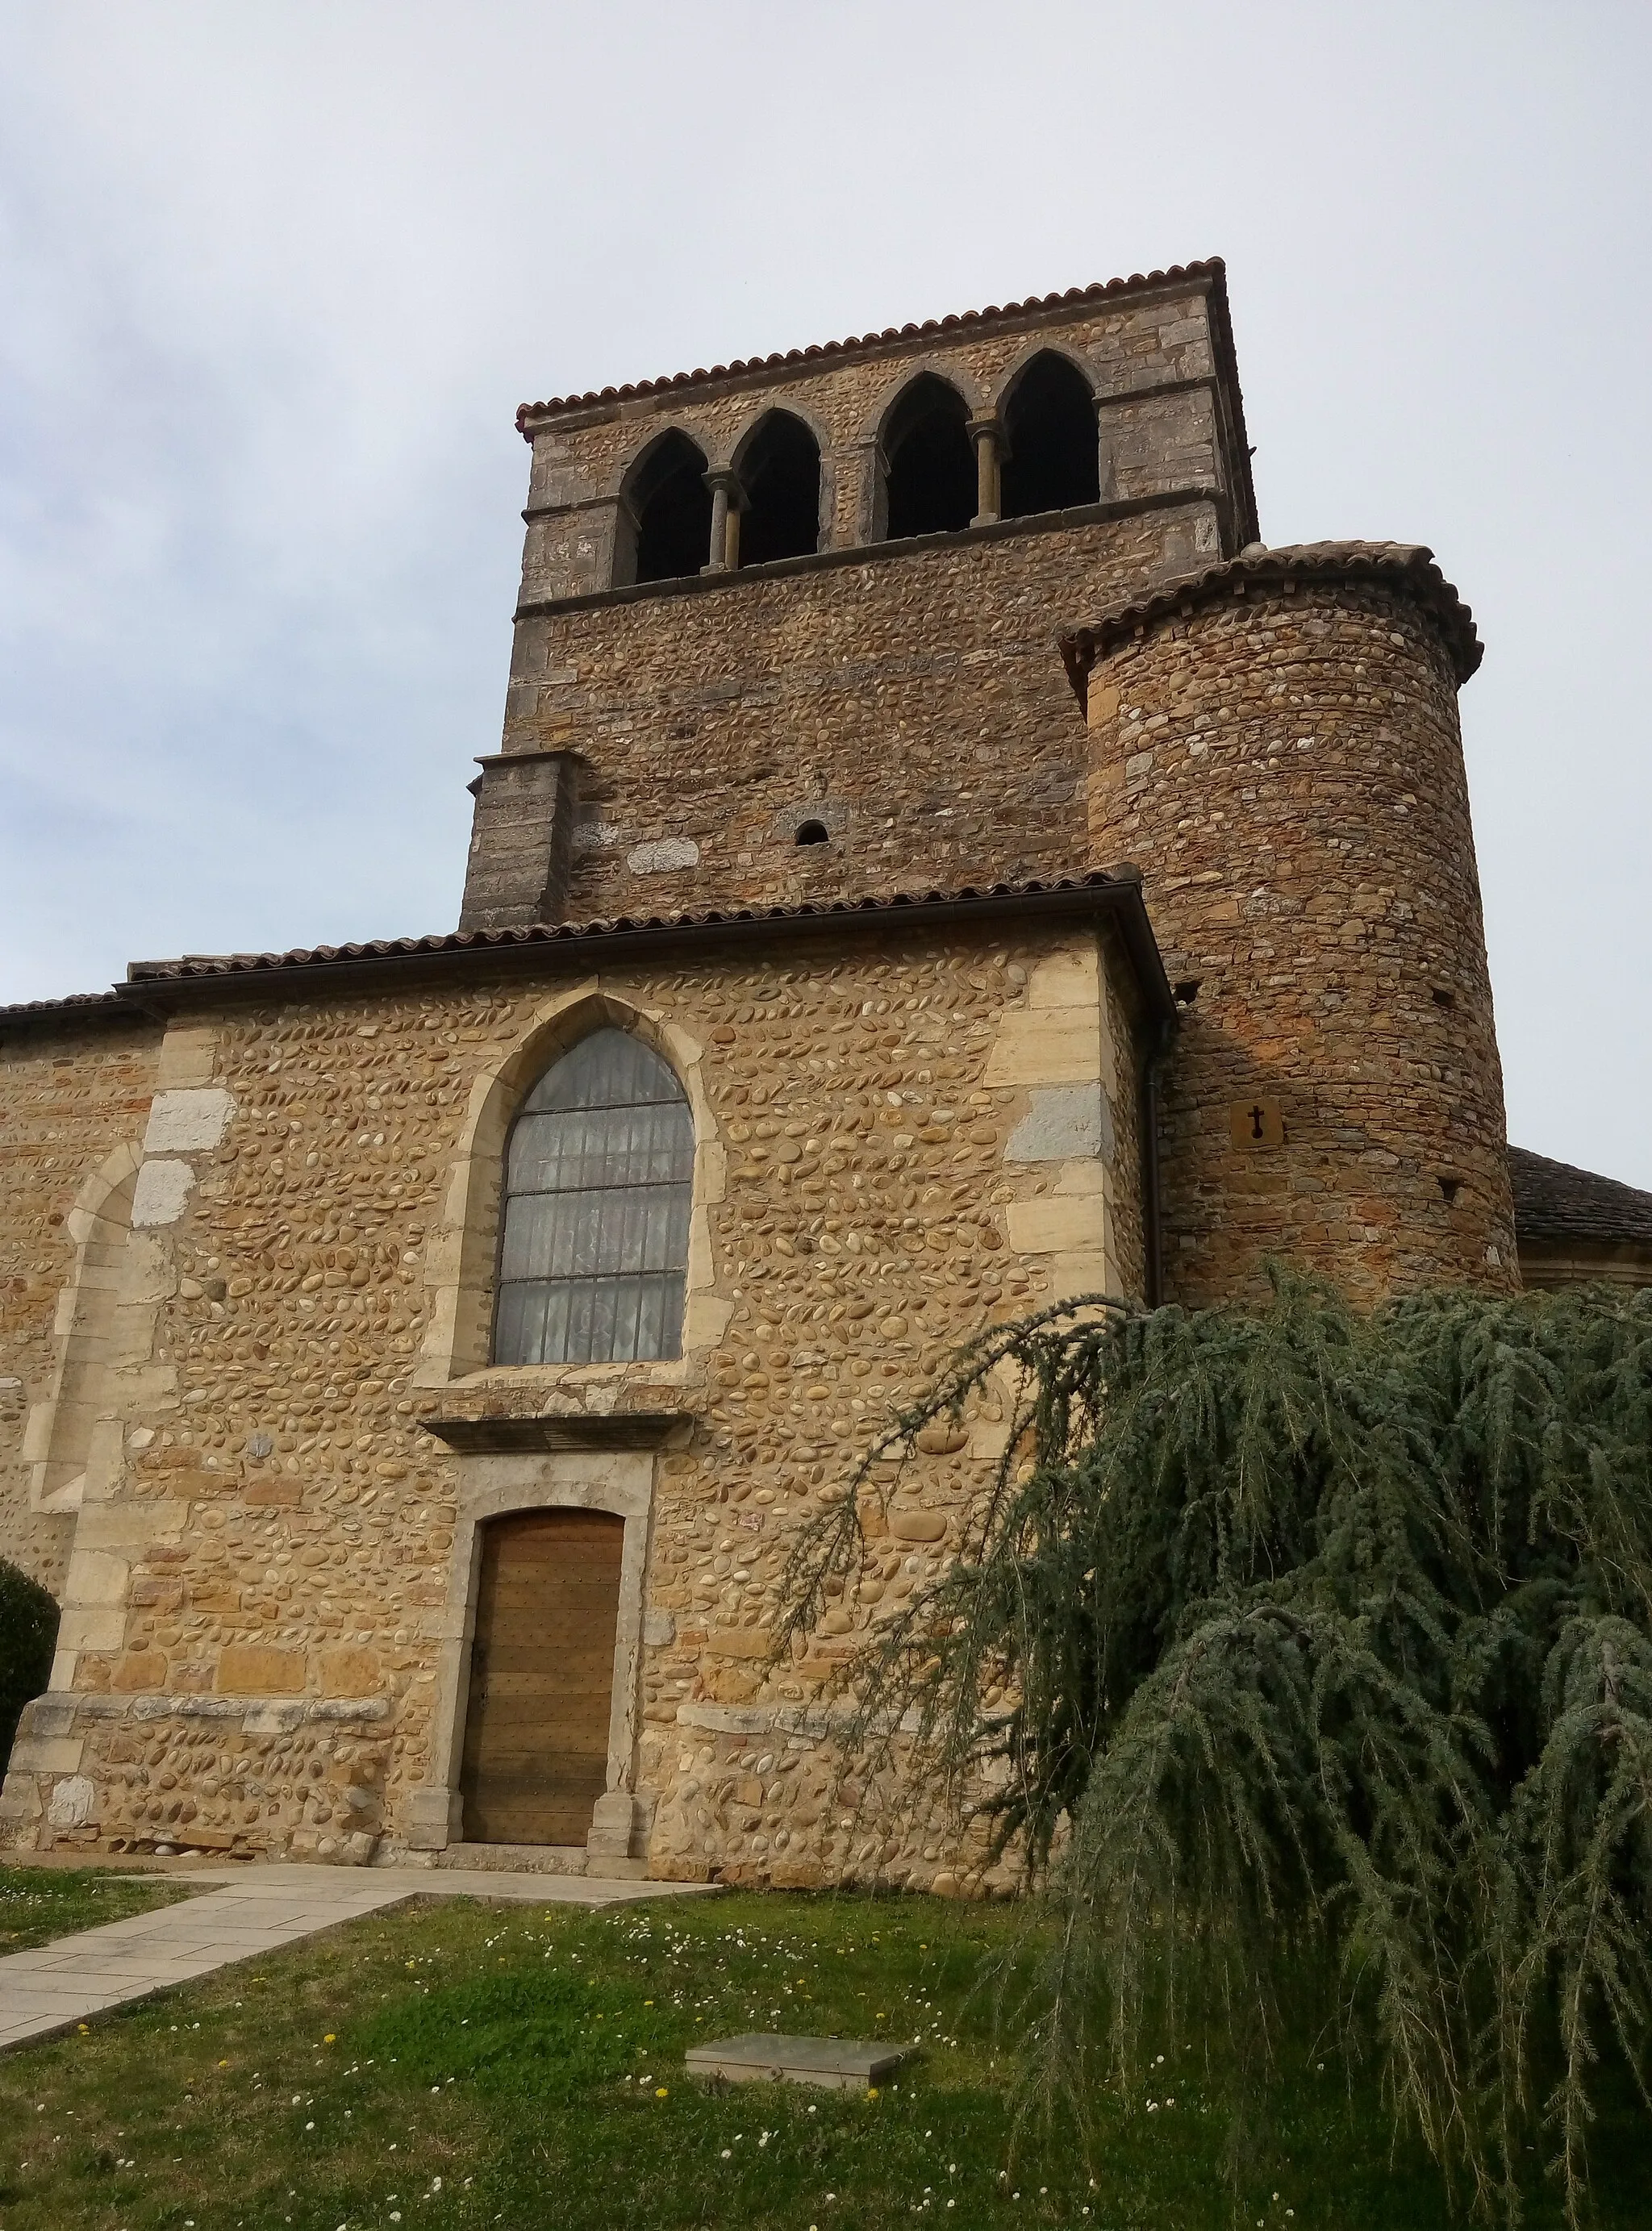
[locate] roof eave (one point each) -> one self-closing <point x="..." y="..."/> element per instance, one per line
<point x="1207" y="274"/>
<point x="528" y="951"/>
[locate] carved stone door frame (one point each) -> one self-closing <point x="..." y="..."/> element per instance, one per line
<point x="492" y="1486"/>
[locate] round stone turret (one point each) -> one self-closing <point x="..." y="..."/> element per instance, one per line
<point x="1275" y="740"/>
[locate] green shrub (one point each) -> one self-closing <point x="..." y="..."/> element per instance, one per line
<point x="28" y="1638"/>
<point x="1304" y="1653"/>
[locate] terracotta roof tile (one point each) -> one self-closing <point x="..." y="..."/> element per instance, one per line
<point x="962" y="321"/>
<point x="1408" y="564"/>
<point x="91" y="1004"/>
<point x="196" y="964"/>
<point x="202" y="968"/>
<point x="1552" y="1200"/>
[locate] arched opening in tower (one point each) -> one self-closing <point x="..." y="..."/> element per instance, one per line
<point x="780" y="472"/>
<point x="931" y="463"/>
<point x="1050" y="434"/>
<point x="672" y="508"/>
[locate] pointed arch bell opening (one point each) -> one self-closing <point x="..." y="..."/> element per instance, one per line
<point x="1049" y="419"/>
<point x="666" y="513"/>
<point x="930" y="461"/>
<point x="595" y="1237"/>
<point x="779" y="468"/>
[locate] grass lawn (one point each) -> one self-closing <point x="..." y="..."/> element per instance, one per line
<point x="39" y="1904"/>
<point x="460" y="2064"/>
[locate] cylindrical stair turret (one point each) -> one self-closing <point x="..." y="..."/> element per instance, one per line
<point x="1275" y="742"/>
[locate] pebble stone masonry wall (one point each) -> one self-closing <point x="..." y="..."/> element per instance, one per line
<point x="914" y="705"/>
<point x="270" y="1399"/>
<point x="255" y="1613"/>
<point x="70" y="1095"/>
<point x="1279" y="751"/>
<point x="902" y="694"/>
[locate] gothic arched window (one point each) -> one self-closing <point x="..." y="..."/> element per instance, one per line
<point x="667" y="512"/>
<point x="931" y="466"/>
<point x="1050" y="439"/>
<point x="593" y="1257"/>
<point x="779" y="469"/>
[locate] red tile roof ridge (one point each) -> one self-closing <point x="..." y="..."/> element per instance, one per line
<point x="1102" y="290"/>
<point x="196" y="966"/>
<point x="68" y="999"/>
<point x="1411" y="562"/>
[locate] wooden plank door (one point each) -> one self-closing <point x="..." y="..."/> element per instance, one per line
<point x="541" y="1677"/>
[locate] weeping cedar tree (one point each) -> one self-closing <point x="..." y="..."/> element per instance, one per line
<point x="1302" y="1642"/>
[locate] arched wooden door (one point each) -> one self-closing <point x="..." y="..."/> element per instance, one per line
<point x="541" y="1677"/>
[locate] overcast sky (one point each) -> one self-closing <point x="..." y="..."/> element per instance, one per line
<point x="274" y="275"/>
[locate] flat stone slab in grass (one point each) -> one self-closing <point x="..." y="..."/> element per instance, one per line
<point x="840" y="2064"/>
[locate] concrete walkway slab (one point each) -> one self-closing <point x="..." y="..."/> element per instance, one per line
<point x="255" y="1912"/>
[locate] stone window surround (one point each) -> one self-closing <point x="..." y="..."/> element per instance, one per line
<point x="461" y="1253"/>
<point x="461" y="1258"/>
<point x="493" y="1485"/>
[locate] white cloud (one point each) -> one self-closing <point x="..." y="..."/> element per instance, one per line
<point x="276" y="279"/>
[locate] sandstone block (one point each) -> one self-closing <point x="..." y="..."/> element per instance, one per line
<point x="797" y="1874"/>
<point x="214" y="1596"/>
<point x="272" y="1494"/>
<point x="138" y="1670"/>
<point x="348" y="1672"/>
<point x="46" y="1755"/>
<point x="255" y="1669"/>
<point x="153" y="1593"/>
<point x="1047" y="1045"/>
<point x="1067" y="980"/>
<point x="96" y="1627"/>
<point x="1049" y="1226"/>
<point x="739" y="1642"/>
<point x="1093" y="1273"/>
<point x="96" y="1578"/>
<point x="20" y="1800"/>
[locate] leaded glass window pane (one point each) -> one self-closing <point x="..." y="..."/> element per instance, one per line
<point x="594" y="1258"/>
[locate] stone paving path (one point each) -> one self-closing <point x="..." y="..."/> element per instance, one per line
<point x="258" y="1910"/>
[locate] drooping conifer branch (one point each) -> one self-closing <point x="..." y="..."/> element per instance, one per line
<point x="1297" y="1640"/>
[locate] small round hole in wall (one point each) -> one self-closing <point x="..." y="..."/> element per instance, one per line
<point x="811" y="832"/>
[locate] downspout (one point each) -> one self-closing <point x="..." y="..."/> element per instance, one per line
<point x="1152" y="1211"/>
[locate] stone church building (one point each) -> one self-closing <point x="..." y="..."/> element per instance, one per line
<point x="938" y="860"/>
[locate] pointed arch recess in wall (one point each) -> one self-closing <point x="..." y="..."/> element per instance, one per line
<point x="76" y="1431"/>
<point x="665" y="513"/>
<point x="779" y="468"/>
<point x="929" y="460"/>
<point x="463" y="1252"/>
<point x="1051" y="456"/>
<point x="598" y="1168"/>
